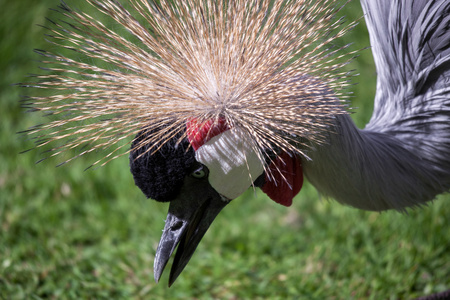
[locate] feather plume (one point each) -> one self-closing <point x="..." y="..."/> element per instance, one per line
<point x="267" y="67"/>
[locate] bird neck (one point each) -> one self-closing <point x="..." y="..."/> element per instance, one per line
<point x="369" y="170"/>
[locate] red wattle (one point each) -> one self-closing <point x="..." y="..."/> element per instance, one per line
<point x="283" y="187"/>
<point x="198" y="133"/>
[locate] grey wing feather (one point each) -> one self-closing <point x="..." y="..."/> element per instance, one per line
<point x="411" y="47"/>
<point x="410" y="40"/>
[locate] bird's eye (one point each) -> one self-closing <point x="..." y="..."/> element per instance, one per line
<point x="200" y="173"/>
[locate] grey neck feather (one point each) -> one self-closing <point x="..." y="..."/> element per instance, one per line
<point x="373" y="170"/>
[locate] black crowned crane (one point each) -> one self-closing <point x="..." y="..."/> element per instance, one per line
<point x="223" y="96"/>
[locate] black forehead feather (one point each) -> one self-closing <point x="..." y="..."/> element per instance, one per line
<point x="160" y="175"/>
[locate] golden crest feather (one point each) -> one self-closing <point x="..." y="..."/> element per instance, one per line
<point x="268" y="67"/>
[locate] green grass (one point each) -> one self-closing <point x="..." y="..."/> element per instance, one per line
<point x="67" y="233"/>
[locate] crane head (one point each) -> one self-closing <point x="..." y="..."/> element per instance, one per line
<point x="221" y="96"/>
<point x="199" y="174"/>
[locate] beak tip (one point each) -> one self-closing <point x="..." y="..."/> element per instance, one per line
<point x="158" y="267"/>
<point x="173" y="276"/>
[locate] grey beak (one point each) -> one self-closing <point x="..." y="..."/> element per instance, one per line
<point x="188" y="219"/>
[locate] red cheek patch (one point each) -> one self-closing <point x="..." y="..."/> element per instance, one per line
<point x="198" y="133"/>
<point x="286" y="179"/>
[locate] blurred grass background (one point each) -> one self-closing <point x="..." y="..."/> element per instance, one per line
<point x="67" y="233"/>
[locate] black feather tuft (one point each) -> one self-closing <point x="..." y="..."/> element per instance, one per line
<point x="160" y="174"/>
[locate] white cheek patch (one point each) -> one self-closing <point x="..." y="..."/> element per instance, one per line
<point x="233" y="164"/>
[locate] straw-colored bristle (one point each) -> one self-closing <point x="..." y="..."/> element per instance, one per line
<point x="266" y="66"/>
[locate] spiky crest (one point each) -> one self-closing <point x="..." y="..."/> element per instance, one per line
<point x="267" y="67"/>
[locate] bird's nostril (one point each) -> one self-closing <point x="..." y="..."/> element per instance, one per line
<point x="176" y="226"/>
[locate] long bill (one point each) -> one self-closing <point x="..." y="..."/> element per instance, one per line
<point x="188" y="219"/>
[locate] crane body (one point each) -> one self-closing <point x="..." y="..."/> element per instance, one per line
<point x="401" y="159"/>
